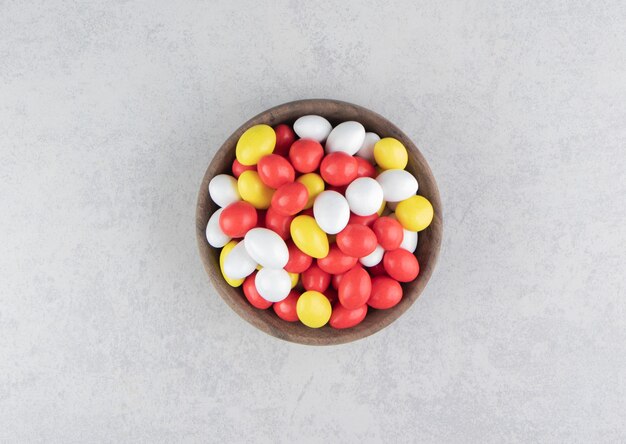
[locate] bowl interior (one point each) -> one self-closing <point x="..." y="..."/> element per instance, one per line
<point x="427" y="248"/>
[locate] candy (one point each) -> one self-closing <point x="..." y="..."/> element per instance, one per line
<point x="347" y="137"/>
<point x="386" y="293"/>
<point x="374" y="257"/>
<point x="415" y="213"/>
<point x="286" y="309"/>
<point x="365" y="196"/>
<point x="253" y="190"/>
<point x="298" y="261"/>
<point x="223" y="190"/>
<point x="284" y="138"/>
<point x="214" y="234"/>
<point x="275" y="170"/>
<point x="339" y="169"/>
<point x="273" y="284"/>
<point x="314" y="185"/>
<point x="313" y="309"/>
<point x="342" y="317"/>
<point x="237" y="218"/>
<point x="331" y="211"/>
<point x="278" y="223"/>
<point x="306" y="155"/>
<point x="238" y="168"/>
<point x="290" y="198"/>
<point x="366" y="152"/>
<point x="266" y="248"/>
<point x="256" y="142"/>
<point x="397" y="185"/>
<point x="238" y="264"/>
<point x="336" y="262"/>
<point x="355" y="288"/>
<point x="389" y="153"/>
<point x="252" y="295"/>
<point x="309" y="237"/>
<point x="312" y="127"/>
<point x="389" y="232"/>
<point x="353" y="208"/>
<point x="401" y="265"/>
<point x="365" y="169"/>
<point x="314" y="278"/>
<point x="357" y="240"/>
<point x="409" y="240"/>
<point x="225" y="251"/>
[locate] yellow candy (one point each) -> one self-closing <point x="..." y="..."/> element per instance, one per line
<point x="390" y="153"/>
<point x="309" y="237"/>
<point x="382" y="208"/>
<point x="294" y="279"/>
<point x="256" y="142"/>
<point x="415" y="213"/>
<point x="225" y="251"/>
<point x="313" y="309"/>
<point x="254" y="191"/>
<point x="314" y="185"/>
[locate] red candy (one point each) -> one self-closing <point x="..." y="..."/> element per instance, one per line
<point x="342" y="317"/>
<point x="355" y="288"/>
<point x="389" y="232"/>
<point x="339" y="169"/>
<point x="314" y="278"/>
<point x="286" y="309"/>
<point x="298" y="261"/>
<point x="377" y="270"/>
<point x="356" y="240"/>
<point x="336" y="280"/>
<point x="331" y="295"/>
<point x="363" y="220"/>
<point x="275" y="170"/>
<point x="284" y="138"/>
<point x="238" y="168"/>
<point x="401" y="265"/>
<point x="237" y="218"/>
<point x="290" y="198"/>
<point x="252" y="295"/>
<point x="278" y="222"/>
<point x="260" y="220"/>
<point x="386" y="293"/>
<point x="365" y="169"/>
<point x="305" y="155"/>
<point x="337" y="262"/>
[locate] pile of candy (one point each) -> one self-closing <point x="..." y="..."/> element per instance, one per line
<point x="318" y="232"/>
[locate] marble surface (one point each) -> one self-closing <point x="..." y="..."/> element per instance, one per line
<point x="109" y="115"/>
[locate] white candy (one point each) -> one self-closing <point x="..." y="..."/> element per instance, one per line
<point x="367" y="148"/>
<point x="214" y="234"/>
<point x="374" y="257"/>
<point x="273" y="285"/>
<point x="347" y="137"/>
<point x="365" y="196"/>
<point x="312" y="127"/>
<point x="223" y="190"/>
<point x="409" y="241"/>
<point x="397" y="185"/>
<point x="266" y="248"/>
<point x="238" y="263"/>
<point x="331" y="211"/>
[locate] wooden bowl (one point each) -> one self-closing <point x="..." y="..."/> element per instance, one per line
<point x="427" y="248"/>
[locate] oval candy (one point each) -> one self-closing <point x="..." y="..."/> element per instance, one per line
<point x="364" y="196"/>
<point x="313" y="309"/>
<point x="256" y="142"/>
<point x="266" y="248"/>
<point x="214" y="234"/>
<point x="253" y="190"/>
<point x="312" y="127"/>
<point x="238" y="264"/>
<point x="331" y="211"/>
<point x="223" y="190"/>
<point x="273" y="284"/>
<point x="309" y="237"/>
<point x="397" y="185"/>
<point x="347" y="137"/>
<point x="223" y="254"/>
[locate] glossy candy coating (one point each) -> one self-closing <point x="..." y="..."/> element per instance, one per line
<point x="256" y="142"/>
<point x="313" y="309"/>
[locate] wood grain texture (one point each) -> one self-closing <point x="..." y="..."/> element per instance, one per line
<point x="426" y="253"/>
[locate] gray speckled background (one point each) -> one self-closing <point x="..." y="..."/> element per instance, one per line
<point x="109" y="115"/>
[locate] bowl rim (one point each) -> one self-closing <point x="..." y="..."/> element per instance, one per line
<point x="234" y="297"/>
